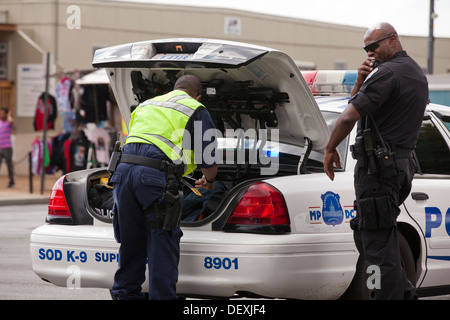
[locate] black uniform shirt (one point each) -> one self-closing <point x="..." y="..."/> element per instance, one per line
<point x="395" y="94"/>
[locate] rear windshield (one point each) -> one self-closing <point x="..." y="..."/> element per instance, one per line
<point x="316" y="159"/>
<point x="287" y="155"/>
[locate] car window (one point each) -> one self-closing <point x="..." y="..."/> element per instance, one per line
<point x="446" y="121"/>
<point x="315" y="160"/>
<point x="432" y="150"/>
<point x="330" y="119"/>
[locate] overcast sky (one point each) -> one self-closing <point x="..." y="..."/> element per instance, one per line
<point x="409" y="17"/>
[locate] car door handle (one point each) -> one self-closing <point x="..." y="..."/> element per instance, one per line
<point x="419" y="196"/>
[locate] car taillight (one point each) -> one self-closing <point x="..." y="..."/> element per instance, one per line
<point x="261" y="209"/>
<point x="57" y="206"/>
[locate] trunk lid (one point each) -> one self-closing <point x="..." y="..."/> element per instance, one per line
<point x="269" y="79"/>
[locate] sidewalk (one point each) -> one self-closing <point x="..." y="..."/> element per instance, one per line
<point x="20" y="193"/>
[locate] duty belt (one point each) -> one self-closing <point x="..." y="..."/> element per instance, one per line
<point x="402" y="153"/>
<point x="168" y="210"/>
<point x="161" y="165"/>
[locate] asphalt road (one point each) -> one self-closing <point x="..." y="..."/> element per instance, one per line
<point x="17" y="280"/>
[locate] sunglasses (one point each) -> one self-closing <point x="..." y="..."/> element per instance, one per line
<point x="374" y="45"/>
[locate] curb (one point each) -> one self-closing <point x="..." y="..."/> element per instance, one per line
<point x="23" y="201"/>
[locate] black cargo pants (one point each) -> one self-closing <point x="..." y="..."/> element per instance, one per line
<point x="375" y="226"/>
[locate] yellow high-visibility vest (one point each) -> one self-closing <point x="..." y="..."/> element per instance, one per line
<point x="162" y="121"/>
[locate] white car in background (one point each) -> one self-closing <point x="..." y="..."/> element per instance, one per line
<point x="281" y="228"/>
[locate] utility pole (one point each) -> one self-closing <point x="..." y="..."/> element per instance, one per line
<point x="45" y="147"/>
<point x="431" y="38"/>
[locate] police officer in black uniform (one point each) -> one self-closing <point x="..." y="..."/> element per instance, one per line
<point x="388" y="102"/>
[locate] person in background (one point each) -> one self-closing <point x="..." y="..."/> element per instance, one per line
<point x="6" y="127"/>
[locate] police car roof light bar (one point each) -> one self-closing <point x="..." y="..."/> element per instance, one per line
<point x="330" y="81"/>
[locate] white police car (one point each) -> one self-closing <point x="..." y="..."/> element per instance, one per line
<point x="279" y="228"/>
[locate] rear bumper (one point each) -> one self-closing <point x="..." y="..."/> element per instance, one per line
<point x="212" y="264"/>
<point x="74" y="256"/>
<point x="294" y="266"/>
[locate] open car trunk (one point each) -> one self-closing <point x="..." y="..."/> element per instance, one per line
<point x="243" y="168"/>
<point x="260" y="103"/>
<point x="244" y="86"/>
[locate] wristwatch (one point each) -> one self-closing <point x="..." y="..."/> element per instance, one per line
<point x="209" y="181"/>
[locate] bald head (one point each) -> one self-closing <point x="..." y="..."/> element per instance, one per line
<point x="189" y="84"/>
<point x="387" y="47"/>
<point x="382" y="29"/>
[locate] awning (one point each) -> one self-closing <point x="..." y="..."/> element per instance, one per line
<point x="97" y="77"/>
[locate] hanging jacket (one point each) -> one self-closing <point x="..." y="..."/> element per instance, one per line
<point x="78" y="152"/>
<point x="39" y="159"/>
<point x="39" y="115"/>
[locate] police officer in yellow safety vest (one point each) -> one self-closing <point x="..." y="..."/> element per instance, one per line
<point x="147" y="193"/>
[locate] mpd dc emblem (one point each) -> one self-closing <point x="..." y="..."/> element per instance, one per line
<point x="332" y="212"/>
